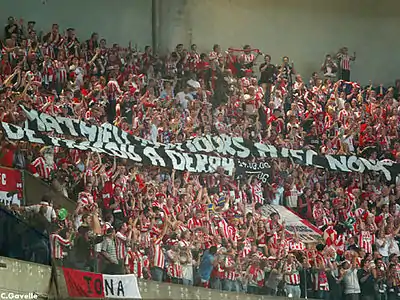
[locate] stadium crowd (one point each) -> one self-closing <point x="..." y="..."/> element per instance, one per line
<point x="197" y="229"/>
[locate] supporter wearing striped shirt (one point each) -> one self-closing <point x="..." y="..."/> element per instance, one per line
<point x="215" y="54"/>
<point x="366" y="238"/>
<point x="58" y="242"/>
<point x="229" y="266"/>
<point x="291" y="277"/>
<point x="195" y="223"/>
<point x="44" y="165"/>
<point x="122" y="239"/>
<point x="255" y="275"/>
<point x="137" y="263"/>
<point x="319" y="276"/>
<point x="85" y="204"/>
<point x="273" y="226"/>
<point x="296" y="245"/>
<point x="158" y="256"/>
<point x="344" y="61"/>
<point x="174" y="269"/>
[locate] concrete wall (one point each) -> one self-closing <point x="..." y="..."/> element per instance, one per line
<point x="21" y="277"/>
<point x="304" y="30"/>
<point x="24" y="278"/>
<point x="118" y="21"/>
<point x="35" y="189"/>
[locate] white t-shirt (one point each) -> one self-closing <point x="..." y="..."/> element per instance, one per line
<point x="154" y="133"/>
<point x="277" y="199"/>
<point x="181" y="96"/>
<point x="79" y="72"/>
<point x="351" y="284"/>
<point x="393" y="247"/>
<point x="382" y="249"/>
<point x="350" y="143"/>
<point x="49" y="214"/>
<point x="340" y="103"/>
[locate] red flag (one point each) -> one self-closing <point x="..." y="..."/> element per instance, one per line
<point x="83" y="284"/>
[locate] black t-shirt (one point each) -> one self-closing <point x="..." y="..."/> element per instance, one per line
<point x="367" y="288"/>
<point x="82" y="249"/>
<point x="269" y="74"/>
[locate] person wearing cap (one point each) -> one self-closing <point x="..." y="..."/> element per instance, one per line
<point x="344" y="62"/>
<point x="81" y="256"/>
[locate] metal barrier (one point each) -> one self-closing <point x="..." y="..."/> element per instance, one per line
<point x="22" y="237"/>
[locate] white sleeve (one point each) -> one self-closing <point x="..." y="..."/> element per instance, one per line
<point x="53" y="213"/>
<point x="32" y="208"/>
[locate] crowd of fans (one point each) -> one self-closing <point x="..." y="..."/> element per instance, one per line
<point x="198" y="229"/>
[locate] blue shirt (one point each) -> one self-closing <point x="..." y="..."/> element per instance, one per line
<point x="206" y="265"/>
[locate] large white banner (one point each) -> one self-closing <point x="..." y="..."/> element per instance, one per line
<point x="121" y="287"/>
<point x="200" y="154"/>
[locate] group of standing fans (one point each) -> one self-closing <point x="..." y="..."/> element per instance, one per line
<point x="198" y="229"/>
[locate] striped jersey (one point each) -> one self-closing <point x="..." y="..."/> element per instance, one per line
<point x="136" y="263"/>
<point x="293" y="276"/>
<point x="56" y="245"/>
<point x="344" y="61"/>
<point x="120" y="243"/>
<point x="158" y="257"/>
<point x="365" y="241"/>
<point x="42" y="168"/>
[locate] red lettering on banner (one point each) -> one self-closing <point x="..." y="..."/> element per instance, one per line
<point x="83" y="284"/>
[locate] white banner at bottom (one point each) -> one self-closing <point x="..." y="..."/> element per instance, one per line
<point x="121" y="287"/>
